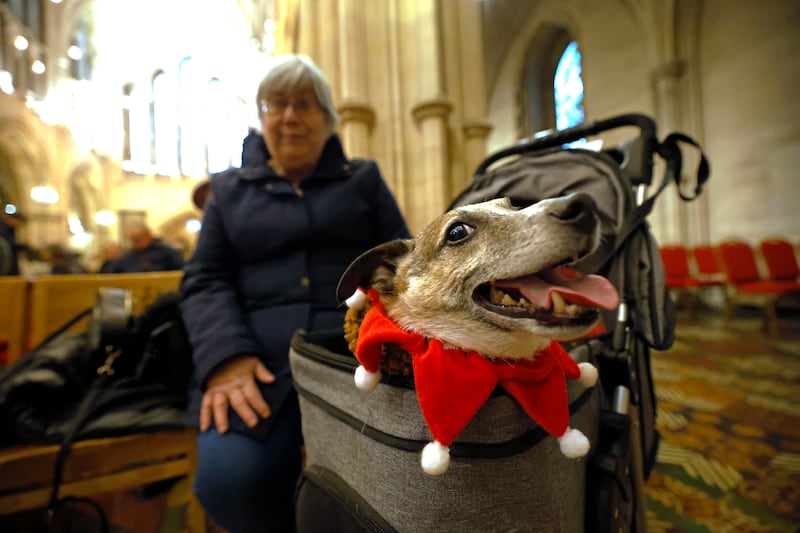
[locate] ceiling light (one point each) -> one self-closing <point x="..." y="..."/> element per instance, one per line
<point x="75" y="225"/>
<point x="105" y="218"/>
<point x="44" y="195"/>
<point x="6" y="82"/>
<point x="21" y="43"/>
<point x="193" y="225"/>
<point x="74" y="52"/>
<point x="38" y="67"/>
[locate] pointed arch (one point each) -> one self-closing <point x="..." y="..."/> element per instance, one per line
<point x="522" y="99"/>
<point x="174" y="231"/>
<point x="21" y="162"/>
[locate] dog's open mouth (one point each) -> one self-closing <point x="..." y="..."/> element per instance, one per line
<point x="552" y="297"/>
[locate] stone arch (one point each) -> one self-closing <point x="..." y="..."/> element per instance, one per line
<point x="83" y="199"/>
<point x="21" y="161"/>
<point x="536" y="96"/>
<point x="517" y="100"/>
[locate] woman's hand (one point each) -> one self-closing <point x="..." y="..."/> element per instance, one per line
<point x="233" y="384"/>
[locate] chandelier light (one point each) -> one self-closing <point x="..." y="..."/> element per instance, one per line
<point x="44" y="194"/>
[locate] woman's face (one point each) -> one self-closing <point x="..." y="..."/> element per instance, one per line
<point x="295" y="131"/>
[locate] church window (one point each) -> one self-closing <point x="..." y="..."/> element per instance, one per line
<point x="568" y="88"/>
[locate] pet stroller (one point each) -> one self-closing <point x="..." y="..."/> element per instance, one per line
<point x="362" y="469"/>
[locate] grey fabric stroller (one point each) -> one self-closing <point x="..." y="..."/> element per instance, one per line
<point x="362" y="471"/>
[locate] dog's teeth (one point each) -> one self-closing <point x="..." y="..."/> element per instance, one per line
<point x="558" y="303"/>
<point x="572" y="310"/>
<point x="508" y="300"/>
<point x="524" y="303"/>
<point x="496" y="295"/>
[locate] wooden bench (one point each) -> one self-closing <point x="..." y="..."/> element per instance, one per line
<point x="100" y="466"/>
<point x="104" y="465"/>
<point x="13" y="309"/>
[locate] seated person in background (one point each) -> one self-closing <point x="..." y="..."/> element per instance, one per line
<point x="147" y="254"/>
<point x="62" y="261"/>
<point x="109" y="253"/>
<point x="9" y="247"/>
<point x="277" y="234"/>
<point x="201" y="194"/>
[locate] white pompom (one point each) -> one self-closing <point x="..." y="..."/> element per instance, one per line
<point x="357" y="300"/>
<point x="573" y="444"/>
<point x="366" y="380"/>
<point x="435" y="458"/>
<point x="589" y="375"/>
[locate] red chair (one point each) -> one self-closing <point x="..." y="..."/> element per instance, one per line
<point x="780" y="258"/>
<point x="676" y="266"/>
<point x="707" y="261"/>
<point x="679" y="276"/>
<point x="747" y="285"/>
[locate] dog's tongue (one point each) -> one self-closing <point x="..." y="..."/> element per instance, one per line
<point x="587" y="291"/>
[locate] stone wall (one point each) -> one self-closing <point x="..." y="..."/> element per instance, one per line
<point x="414" y="93"/>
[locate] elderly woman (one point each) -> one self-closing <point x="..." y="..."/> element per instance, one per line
<point x="277" y="234"/>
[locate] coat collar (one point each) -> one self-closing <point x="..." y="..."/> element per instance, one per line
<point x="333" y="162"/>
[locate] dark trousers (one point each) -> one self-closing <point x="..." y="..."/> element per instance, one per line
<point x="246" y="484"/>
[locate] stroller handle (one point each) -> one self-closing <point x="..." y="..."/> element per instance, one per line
<point x="647" y="134"/>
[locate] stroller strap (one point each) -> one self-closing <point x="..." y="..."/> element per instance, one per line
<point x="670" y="150"/>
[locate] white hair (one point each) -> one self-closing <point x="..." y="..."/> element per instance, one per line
<point x="293" y="72"/>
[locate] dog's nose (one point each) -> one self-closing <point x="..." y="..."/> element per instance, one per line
<point x="577" y="209"/>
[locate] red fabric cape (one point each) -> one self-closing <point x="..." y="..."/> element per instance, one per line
<point x="452" y="385"/>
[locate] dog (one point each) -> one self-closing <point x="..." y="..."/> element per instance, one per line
<point x="483" y="290"/>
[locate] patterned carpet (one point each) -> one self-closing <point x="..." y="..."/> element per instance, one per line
<point x="729" y="417"/>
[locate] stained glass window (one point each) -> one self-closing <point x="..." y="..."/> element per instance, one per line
<point x="568" y="88"/>
<point x="139" y="112"/>
<point x="165" y="124"/>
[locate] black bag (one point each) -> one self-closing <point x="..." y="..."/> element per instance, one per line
<point x="123" y="375"/>
<point x="135" y="369"/>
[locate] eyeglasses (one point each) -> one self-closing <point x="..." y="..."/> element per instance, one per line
<point x="276" y="107"/>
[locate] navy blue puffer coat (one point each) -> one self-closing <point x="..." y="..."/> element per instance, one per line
<point x="270" y="255"/>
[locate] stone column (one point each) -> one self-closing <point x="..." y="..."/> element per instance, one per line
<point x="356" y="120"/>
<point x="670" y="212"/>
<point x="328" y="34"/>
<point x="473" y="86"/>
<point x="357" y="116"/>
<point x="306" y="42"/>
<point x="428" y="188"/>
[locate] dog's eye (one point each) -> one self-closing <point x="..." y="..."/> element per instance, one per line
<point x="458" y="232"/>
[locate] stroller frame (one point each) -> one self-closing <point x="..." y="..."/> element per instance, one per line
<point x="620" y="410"/>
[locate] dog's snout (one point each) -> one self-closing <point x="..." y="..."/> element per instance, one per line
<point x="576" y="209"/>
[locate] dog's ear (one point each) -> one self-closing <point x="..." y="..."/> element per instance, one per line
<point x="360" y="273"/>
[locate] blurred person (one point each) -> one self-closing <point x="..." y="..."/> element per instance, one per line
<point x="201" y="195"/>
<point x="62" y="260"/>
<point x="146" y="254"/>
<point x="277" y="235"/>
<point x="31" y="262"/>
<point x="9" y="246"/>
<point x="109" y="253"/>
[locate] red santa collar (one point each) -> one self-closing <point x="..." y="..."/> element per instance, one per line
<point x="452" y="385"/>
